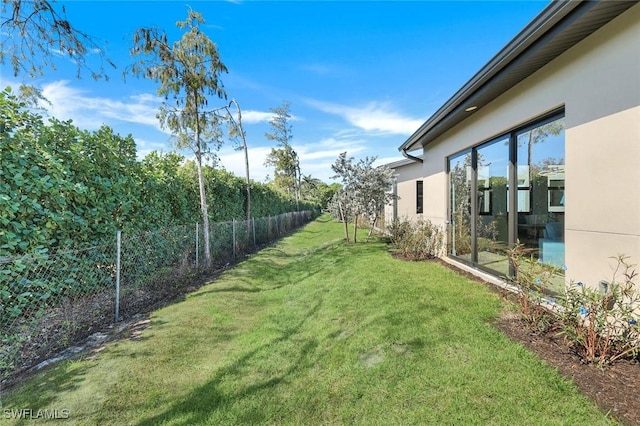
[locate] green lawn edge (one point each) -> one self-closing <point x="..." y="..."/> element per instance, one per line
<point x="313" y="330"/>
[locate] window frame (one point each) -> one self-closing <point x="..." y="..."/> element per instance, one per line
<point x="512" y="202"/>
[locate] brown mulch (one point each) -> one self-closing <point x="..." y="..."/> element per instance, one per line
<point x="613" y="388"/>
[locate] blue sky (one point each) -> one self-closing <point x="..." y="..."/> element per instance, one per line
<point x="360" y="76"/>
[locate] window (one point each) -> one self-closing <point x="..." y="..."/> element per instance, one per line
<point x="460" y="206"/>
<point x="491" y="225"/>
<point x="419" y="197"/>
<point x="486" y="218"/>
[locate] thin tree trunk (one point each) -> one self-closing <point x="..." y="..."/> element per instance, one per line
<point x="203" y="198"/>
<point x="355" y="228"/>
<point x="246" y="166"/>
<point x="344" y="221"/>
<point x="372" y="226"/>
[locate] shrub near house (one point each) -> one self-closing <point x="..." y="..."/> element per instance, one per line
<point x="602" y="324"/>
<point x="416" y="240"/>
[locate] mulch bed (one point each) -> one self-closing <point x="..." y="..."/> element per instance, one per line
<point x="613" y="388"/>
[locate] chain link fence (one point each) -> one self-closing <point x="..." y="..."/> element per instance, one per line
<point x="51" y="300"/>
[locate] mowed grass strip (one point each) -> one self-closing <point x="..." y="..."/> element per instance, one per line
<point x="316" y="331"/>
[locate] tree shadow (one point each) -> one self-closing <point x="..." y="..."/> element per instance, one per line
<point x="278" y="269"/>
<point x="199" y="405"/>
<point x="44" y="391"/>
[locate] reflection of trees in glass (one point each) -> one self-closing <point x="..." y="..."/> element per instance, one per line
<point x="548" y="165"/>
<point x="460" y="176"/>
<point x="535" y="136"/>
<point x="540" y="187"/>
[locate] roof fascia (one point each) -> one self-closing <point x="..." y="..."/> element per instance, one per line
<point x="540" y="25"/>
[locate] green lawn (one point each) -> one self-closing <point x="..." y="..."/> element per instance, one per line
<point x="315" y="331"/>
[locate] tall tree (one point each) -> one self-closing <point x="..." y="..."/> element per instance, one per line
<point x="188" y="71"/>
<point x="33" y="31"/>
<point x="237" y="131"/>
<point x="284" y="158"/>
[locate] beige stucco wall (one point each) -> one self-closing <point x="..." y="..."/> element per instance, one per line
<point x="406" y="177"/>
<point x="598" y="83"/>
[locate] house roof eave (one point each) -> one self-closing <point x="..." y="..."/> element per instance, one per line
<point x="559" y="26"/>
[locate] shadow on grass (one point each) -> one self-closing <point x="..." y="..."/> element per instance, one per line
<point x="276" y="269"/>
<point x="199" y="405"/>
<point x="44" y="393"/>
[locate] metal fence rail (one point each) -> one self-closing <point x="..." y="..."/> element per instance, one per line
<point x="52" y="299"/>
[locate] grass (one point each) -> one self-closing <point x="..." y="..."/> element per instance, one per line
<point x="315" y="331"/>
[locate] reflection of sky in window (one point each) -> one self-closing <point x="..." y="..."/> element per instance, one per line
<point x="493" y="157"/>
<point x="493" y="160"/>
<point x="552" y="146"/>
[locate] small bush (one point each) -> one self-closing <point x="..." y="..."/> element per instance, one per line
<point x="419" y="240"/>
<point x="532" y="280"/>
<point x="604" y="324"/>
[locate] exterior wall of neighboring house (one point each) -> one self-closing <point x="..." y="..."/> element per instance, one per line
<point x="407" y="174"/>
<point x="597" y="82"/>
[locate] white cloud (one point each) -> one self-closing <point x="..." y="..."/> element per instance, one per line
<point x="234" y="162"/>
<point x="252" y="117"/>
<point x="145" y="146"/>
<point x="373" y="117"/>
<point x="315" y="158"/>
<point x="255" y="117"/>
<point x="329" y="148"/>
<point x="320" y="69"/>
<point x="68" y="102"/>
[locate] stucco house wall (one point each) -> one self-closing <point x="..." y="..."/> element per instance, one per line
<point x="597" y="81"/>
<point x="407" y="174"/>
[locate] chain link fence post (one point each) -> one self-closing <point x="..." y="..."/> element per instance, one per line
<point x="59" y="297"/>
<point x="197" y="243"/>
<point x="118" y="252"/>
<point x="233" y="236"/>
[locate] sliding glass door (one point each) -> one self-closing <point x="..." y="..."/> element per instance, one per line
<point x="541" y="184"/>
<point x="484" y="219"/>
<point x="460" y="184"/>
<point x="492" y="223"/>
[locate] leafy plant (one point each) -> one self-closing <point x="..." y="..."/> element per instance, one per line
<point x="532" y="279"/>
<point x="603" y="323"/>
<point x="365" y="191"/>
<point x="418" y="240"/>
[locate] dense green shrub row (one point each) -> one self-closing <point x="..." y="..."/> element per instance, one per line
<point x="60" y="185"/>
